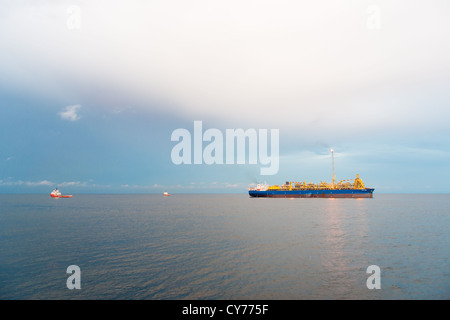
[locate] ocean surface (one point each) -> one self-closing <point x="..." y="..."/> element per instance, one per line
<point x="224" y="246"/>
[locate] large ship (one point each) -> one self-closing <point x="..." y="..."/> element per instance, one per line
<point x="56" y="194"/>
<point x="349" y="188"/>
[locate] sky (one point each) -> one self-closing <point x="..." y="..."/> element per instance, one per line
<point x="91" y="92"/>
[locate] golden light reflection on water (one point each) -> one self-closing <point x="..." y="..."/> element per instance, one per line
<point x="342" y="234"/>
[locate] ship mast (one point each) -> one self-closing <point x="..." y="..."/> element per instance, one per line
<point x="332" y="167"/>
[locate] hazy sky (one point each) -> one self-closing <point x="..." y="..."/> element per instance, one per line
<point x="91" y="91"/>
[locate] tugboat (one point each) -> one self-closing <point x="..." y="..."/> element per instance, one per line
<point x="56" y="194"/>
<point x="166" y="194"/>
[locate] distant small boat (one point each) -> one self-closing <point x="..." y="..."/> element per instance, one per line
<point x="56" y="194"/>
<point x="166" y="194"/>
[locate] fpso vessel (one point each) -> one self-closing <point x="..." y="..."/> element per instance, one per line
<point x="349" y="188"/>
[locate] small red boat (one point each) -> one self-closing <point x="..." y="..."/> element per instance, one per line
<point x="56" y="194"/>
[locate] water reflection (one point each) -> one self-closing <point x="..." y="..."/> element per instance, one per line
<point x="345" y="230"/>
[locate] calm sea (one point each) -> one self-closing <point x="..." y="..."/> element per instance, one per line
<point x="225" y="246"/>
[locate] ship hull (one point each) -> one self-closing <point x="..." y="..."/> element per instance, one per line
<point x="330" y="193"/>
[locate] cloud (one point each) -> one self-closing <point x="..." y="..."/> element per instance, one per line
<point x="310" y="65"/>
<point x="70" y="113"/>
<point x="41" y="183"/>
<point x="73" y="184"/>
<point x="10" y="182"/>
